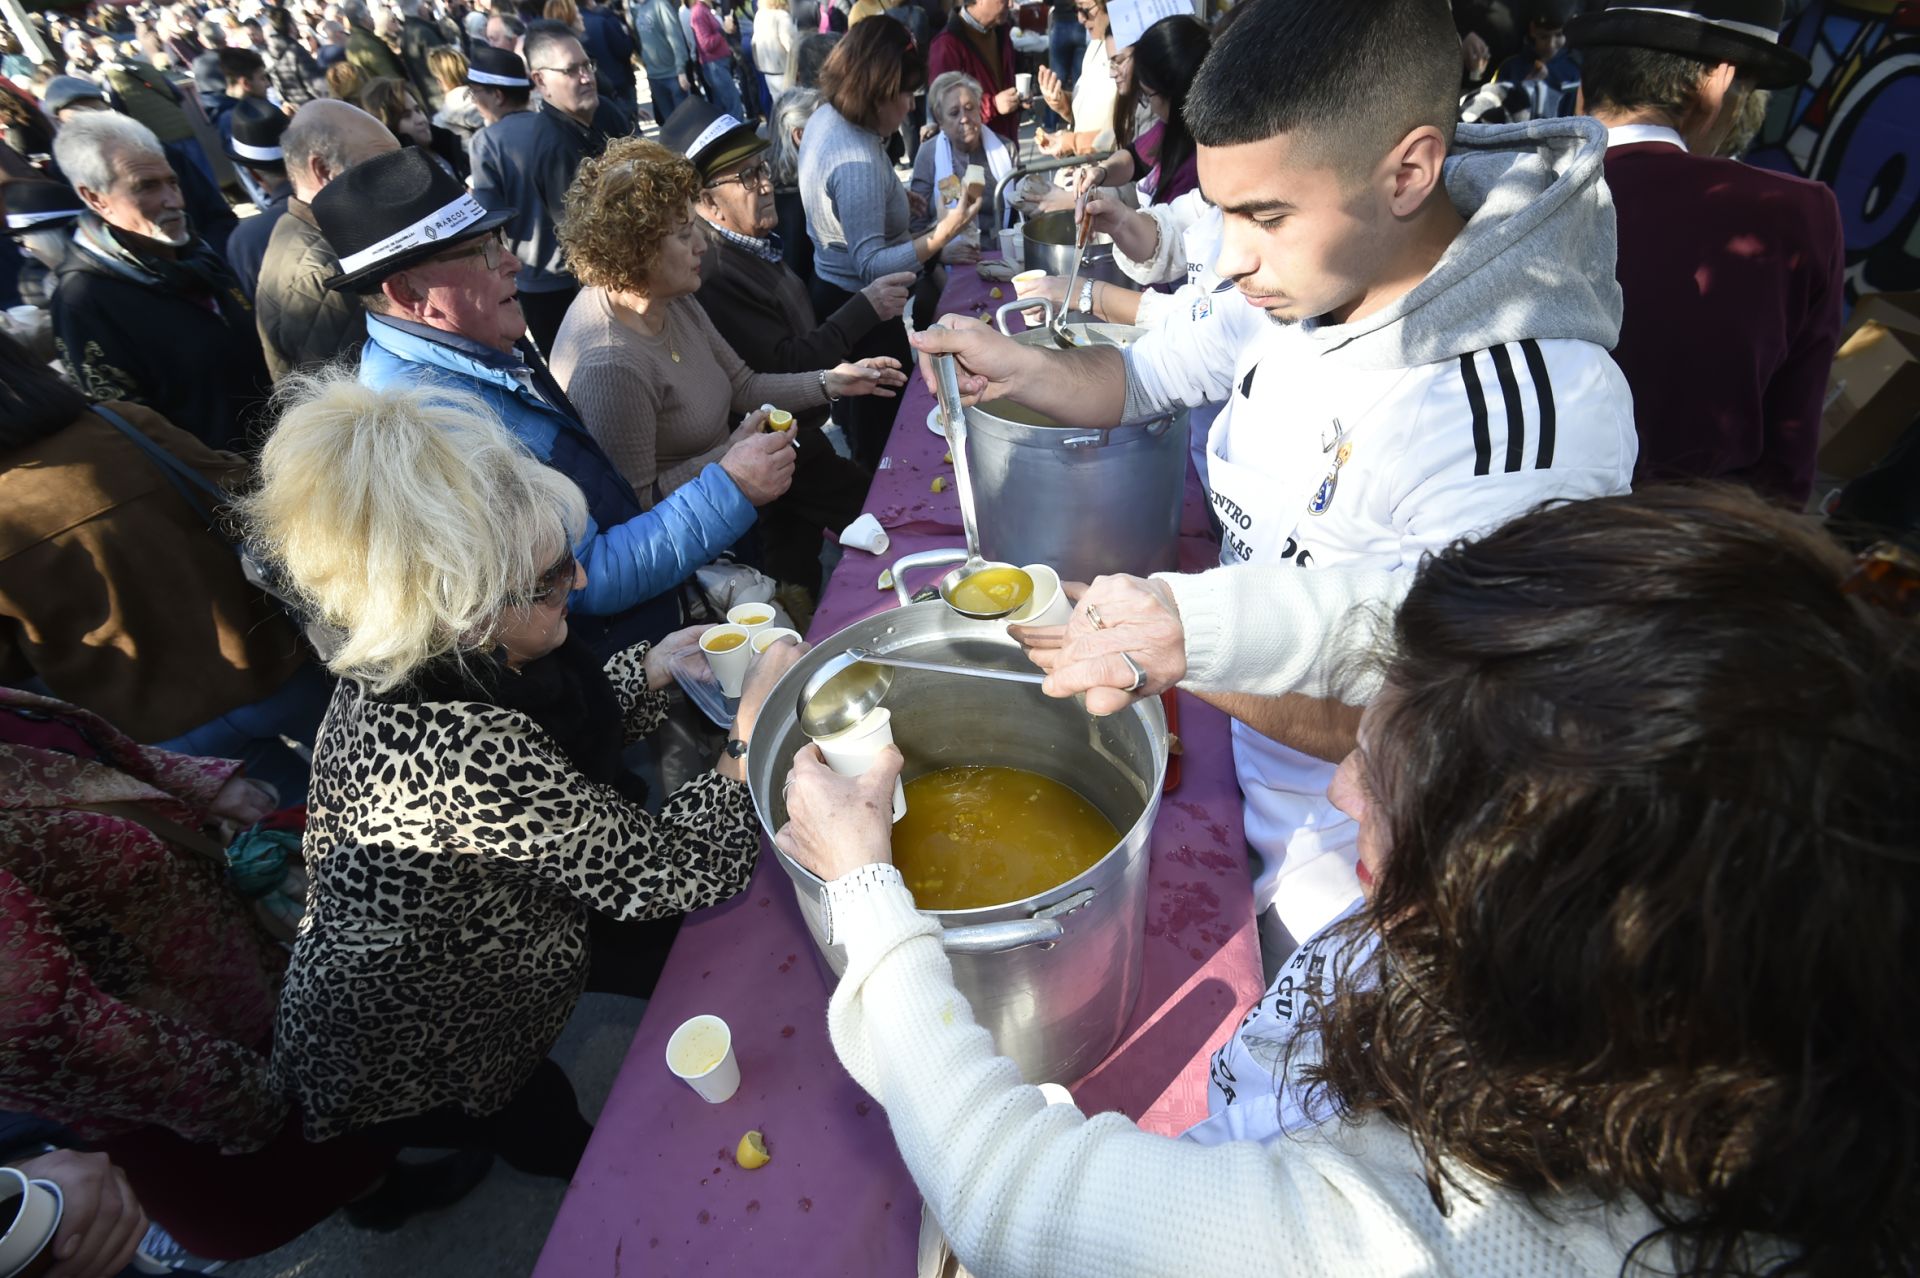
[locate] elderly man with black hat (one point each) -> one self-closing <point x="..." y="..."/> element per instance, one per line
<point x="762" y="310"/>
<point x="1732" y="275"/>
<point x="254" y="145"/>
<point x="303" y="322"/>
<point x="40" y="219"/>
<point x="526" y="161"/>
<point x="443" y="307"/>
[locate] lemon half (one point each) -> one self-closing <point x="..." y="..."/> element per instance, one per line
<point x="752" y="1151"/>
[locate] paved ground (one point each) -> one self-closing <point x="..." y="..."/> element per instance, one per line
<point x="498" y="1230"/>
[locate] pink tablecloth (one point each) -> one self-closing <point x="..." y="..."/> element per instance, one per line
<point x="659" y="1192"/>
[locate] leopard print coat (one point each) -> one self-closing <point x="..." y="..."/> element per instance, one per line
<point x="454" y="853"/>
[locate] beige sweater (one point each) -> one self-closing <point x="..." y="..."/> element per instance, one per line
<point x="662" y="420"/>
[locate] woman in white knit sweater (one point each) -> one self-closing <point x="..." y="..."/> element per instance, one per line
<point x="1631" y="985"/>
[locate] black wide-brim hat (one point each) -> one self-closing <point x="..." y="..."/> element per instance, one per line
<point x="1743" y="32"/>
<point x="255" y="142"/>
<point x="36" y="204"/>
<point x="393" y="211"/>
<point x="711" y="139"/>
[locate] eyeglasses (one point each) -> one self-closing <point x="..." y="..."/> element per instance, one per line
<point x="490" y="249"/>
<point x="1085" y="11"/>
<point x="574" y="70"/>
<point x="557" y="579"/>
<point x="757" y="178"/>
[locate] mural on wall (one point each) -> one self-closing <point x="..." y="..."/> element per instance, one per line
<point x="1855" y="125"/>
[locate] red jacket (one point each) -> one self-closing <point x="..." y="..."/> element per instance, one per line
<point x="952" y="51"/>
<point x="1733" y="284"/>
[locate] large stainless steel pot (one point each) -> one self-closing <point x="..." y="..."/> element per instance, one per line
<point x="1082" y="501"/>
<point x="1054" y="976"/>
<point x="1048" y="245"/>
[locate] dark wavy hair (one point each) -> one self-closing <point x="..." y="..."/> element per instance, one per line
<point x="1650" y="783"/>
<point x="867" y="67"/>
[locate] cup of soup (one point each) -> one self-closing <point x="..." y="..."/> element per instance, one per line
<point x="1048" y="606"/>
<point x="765" y="639"/>
<point x="853" y="751"/>
<point x="754" y="616"/>
<point x="729" y="653"/>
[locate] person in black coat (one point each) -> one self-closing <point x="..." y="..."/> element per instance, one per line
<point x="146" y="310"/>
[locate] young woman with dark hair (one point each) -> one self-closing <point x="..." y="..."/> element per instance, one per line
<point x="1162" y="160"/>
<point x="1632" y="991"/>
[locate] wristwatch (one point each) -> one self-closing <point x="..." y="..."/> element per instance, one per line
<point x="1086" y="297"/>
<point x="736" y="748"/>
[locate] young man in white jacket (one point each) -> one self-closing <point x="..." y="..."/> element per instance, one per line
<point x="1435" y="363"/>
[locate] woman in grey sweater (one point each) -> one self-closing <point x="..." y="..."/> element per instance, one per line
<point x="857" y="210"/>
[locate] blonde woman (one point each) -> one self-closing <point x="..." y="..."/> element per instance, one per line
<point x="459" y="114"/>
<point x="773" y="41"/>
<point x="479" y="854"/>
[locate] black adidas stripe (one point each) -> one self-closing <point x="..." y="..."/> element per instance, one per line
<point x="1543" y="391"/>
<point x="1482" y="441"/>
<point x="1516" y="417"/>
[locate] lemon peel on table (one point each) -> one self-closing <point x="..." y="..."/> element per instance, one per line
<point x="752" y="1151"/>
<point x="940" y="484"/>
<point x="886" y="579"/>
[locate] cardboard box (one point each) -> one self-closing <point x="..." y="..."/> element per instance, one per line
<point x="1873" y="393"/>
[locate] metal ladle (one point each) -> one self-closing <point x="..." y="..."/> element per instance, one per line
<point x="1083" y="227"/>
<point x="954" y="418"/>
<point x="849" y="685"/>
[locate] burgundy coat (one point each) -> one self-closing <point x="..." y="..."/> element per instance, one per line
<point x="952" y="51"/>
<point x="1732" y="277"/>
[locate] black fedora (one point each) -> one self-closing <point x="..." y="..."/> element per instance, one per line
<point x="710" y="138"/>
<point x="497" y="68"/>
<point x="35" y="205"/>
<point x="1743" y="32"/>
<point x="255" y="143"/>
<point x="394" y="210"/>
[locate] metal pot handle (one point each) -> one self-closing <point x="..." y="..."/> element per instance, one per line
<point x="1023" y="304"/>
<point x="921" y="559"/>
<point x="1043" y="928"/>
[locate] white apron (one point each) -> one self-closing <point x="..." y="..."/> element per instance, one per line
<point x="1271" y="459"/>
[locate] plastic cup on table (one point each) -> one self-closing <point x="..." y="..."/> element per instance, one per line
<point x="729" y="651"/>
<point x="700" y="1054"/>
<point x="1013" y="244"/>
<point x="852" y="752"/>
<point x="765" y="639"/>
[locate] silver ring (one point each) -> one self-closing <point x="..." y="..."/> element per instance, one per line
<point x="1093" y="618"/>
<point x="1139" y="675"/>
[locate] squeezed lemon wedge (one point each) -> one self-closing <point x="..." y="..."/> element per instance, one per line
<point x="752" y="1151"/>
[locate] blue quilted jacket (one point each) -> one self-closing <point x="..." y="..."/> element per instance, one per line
<point x="635" y="560"/>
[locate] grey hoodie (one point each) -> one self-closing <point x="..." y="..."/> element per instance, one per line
<point x="1534" y="262"/>
<point x="1536" y="258"/>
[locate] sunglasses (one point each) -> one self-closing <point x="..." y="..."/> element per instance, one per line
<point x="555" y="580"/>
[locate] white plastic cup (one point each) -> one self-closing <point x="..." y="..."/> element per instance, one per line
<point x="1023" y="81"/>
<point x="1013" y="245"/>
<point x="754" y="616"/>
<point x="852" y="752"/>
<point x="1026" y="277"/>
<point x="730" y="665"/>
<point x="1048" y="605"/>
<point x="770" y="636"/>
<point x="700" y="1054"/>
<point x="27" y="1246"/>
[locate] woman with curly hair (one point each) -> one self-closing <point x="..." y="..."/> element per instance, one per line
<point x="1633" y="989"/>
<point x="652" y="378"/>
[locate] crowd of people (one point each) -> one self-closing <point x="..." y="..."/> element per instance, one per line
<point x="386" y="387"/>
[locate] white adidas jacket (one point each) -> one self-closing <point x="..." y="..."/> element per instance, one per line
<point x="1361" y="448"/>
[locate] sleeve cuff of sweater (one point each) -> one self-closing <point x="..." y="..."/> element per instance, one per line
<point x="1204" y="599"/>
<point x="871" y="910"/>
<point x="1160" y="267"/>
